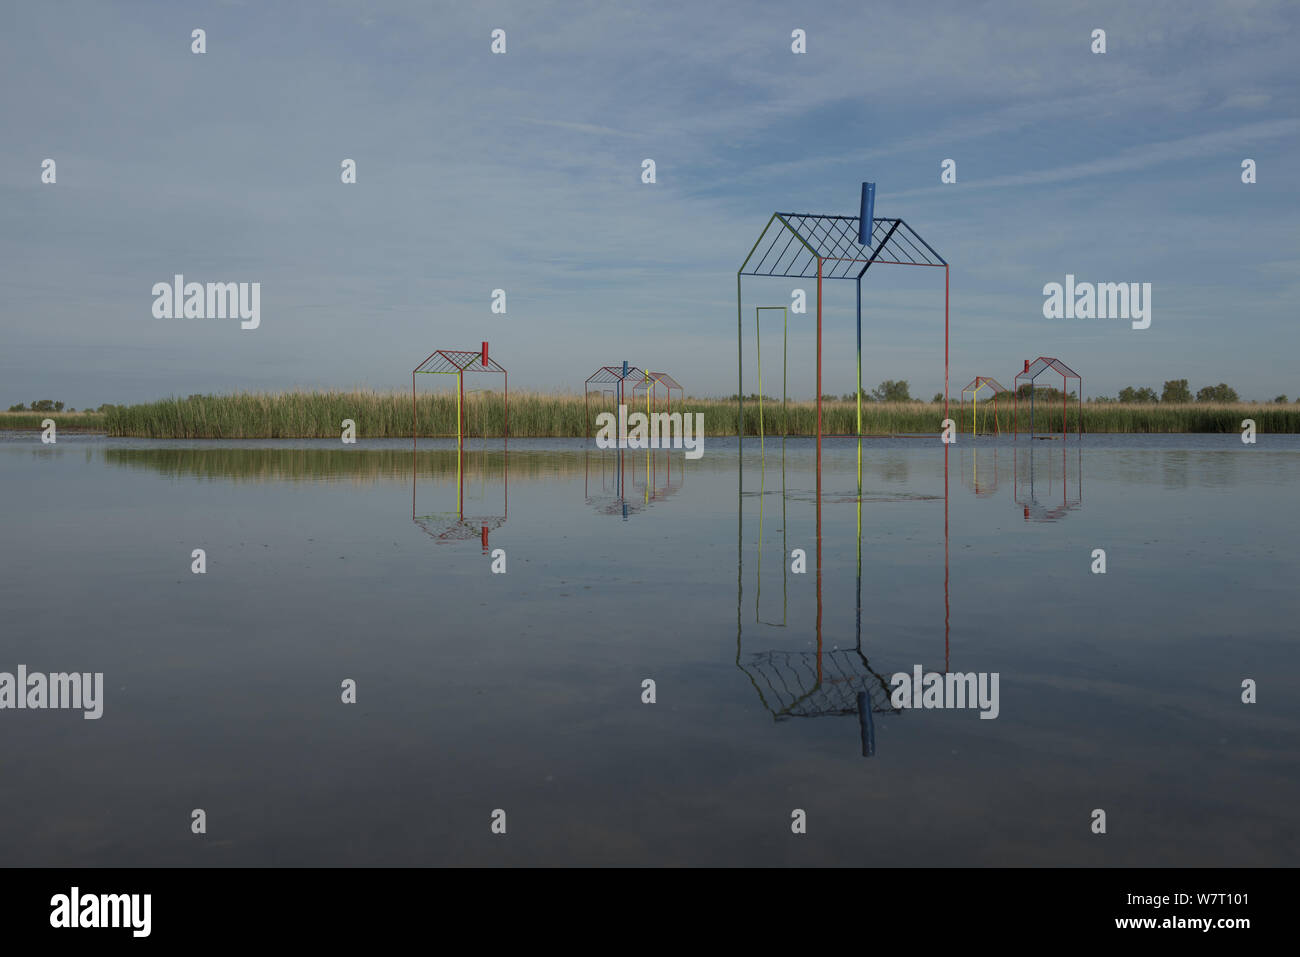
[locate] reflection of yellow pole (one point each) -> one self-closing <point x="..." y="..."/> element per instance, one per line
<point x="459" y="386"/>
<point x="859" y="528"/>
<point x="758" y="340"/>
<point x="762" y="483"/>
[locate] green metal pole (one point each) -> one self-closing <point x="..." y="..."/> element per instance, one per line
<point x="785" y="369"/>
<point x="758" y="330"/>
<point x="740" y="356"/>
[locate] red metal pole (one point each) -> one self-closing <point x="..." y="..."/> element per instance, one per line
<point x="945" y="341"/>
<point x="506" y="375"/>
<point x="819" y="372"/>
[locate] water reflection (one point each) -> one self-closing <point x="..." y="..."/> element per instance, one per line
<point x="482" y="497"/>
<point x="1048" y="485"/>
<point x="794" y="682"/>
<point x="979" y="473"/>
<point x="624" y="482"/>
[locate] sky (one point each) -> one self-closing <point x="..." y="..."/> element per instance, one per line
<point x="522" y="171"/>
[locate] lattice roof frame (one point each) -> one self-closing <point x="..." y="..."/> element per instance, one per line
<point x="833" y="239"/>
<point x="455" y="360"/>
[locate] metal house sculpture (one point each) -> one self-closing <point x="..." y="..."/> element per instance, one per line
<point x="809" y="245"/>
<point x="1030" y="374"/>
<point x="457" y="526"/>
<point x="649" y="385"/>
<point x="612" y="381"/>
<point x="459" y="364"/>
<point x="976" y="385"/>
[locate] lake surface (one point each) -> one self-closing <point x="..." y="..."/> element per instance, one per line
<point x="523" y="691"/>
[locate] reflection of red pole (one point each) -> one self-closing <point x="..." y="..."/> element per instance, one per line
<point x="485" y="541"/>
<point x="819" y="498"/>
<point x="945" y="555"/>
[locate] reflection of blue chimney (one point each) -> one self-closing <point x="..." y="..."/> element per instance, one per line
<point x="866" y="725"/>
<point x="867" y="213"/>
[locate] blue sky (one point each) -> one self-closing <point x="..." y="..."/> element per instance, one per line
<point x="522" y="172"/>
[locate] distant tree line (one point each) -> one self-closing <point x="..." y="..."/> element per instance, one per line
<point x="1177" y="391"/>
<point x="49" y="405"/>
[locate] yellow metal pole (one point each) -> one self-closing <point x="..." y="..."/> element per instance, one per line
<point x="758" y="331"/>
<point x="459" y="386"/>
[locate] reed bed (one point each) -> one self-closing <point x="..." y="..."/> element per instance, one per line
<point x="300" y="414"/>
<point x="1135" y="418"/>
<point x="64" y="421"/>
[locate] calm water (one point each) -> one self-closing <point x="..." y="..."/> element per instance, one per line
<point x="522" y="691"/>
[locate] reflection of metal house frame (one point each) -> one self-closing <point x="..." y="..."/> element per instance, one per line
<point x="653" y="479"/>
<point x="457" y="526"/>
<point x="615" y="377"/>
<point x="1033" y="482"/>
<point x="976" y="384"/>
<point x="809" y="684"/>
<point x="450" y="362"/>
<point x="781" y="558"/>
<point x="806" y="245"/>
<point x="971" y="478"/>
<point x="1030" y="373"/>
